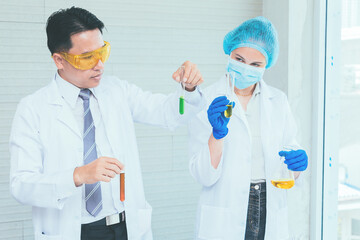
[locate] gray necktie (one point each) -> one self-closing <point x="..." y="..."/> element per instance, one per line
<point x="92" y="191"/>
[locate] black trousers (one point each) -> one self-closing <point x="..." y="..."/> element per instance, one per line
<point x="99" y="231"/>
<point x="256" y="216"/>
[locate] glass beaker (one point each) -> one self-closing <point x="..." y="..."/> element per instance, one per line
<point x="283" y="177"/>
<point x="182" y="93"/>
<point x="229" y="93"/>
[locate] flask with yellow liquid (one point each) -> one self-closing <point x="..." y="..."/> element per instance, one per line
<point x="283" y="177"/>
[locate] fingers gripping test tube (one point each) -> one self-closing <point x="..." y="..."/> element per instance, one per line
<point x="122" y="186"/>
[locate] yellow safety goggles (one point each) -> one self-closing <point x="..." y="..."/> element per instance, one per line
<point x="88" y="60"/>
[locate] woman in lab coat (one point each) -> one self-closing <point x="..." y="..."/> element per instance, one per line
<point x="235" y="158"/>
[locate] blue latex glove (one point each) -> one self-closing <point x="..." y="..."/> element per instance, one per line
<point x="216" y="116"/>
<point x="297" y="160"/>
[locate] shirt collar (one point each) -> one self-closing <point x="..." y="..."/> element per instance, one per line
<point x="257" y="89"/>
<point x="68" y="91"/>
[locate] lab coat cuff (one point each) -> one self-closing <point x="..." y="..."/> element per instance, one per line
<point x="65" y="187"/>
<point x="216" y="171"/>
<point x="299" y="181"/>
<point x="195" y="97"/>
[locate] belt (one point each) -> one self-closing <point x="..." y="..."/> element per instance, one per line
<point x="109" y="220"/>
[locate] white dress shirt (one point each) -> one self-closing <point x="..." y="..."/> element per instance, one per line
<point x="71" y="95"/>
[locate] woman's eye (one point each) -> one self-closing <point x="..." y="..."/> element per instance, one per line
<point x="240" y="59"/>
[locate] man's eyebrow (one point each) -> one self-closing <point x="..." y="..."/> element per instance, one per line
<point x="93" y="50"/>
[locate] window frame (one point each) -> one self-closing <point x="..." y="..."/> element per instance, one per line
<point x="326" y="92"/>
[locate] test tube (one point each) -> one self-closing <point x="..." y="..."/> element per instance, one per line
<point x="182" y="100"/>
<point x="182" y="85"/>
<point x="228" y="111"/>
<point x="122" y="186"/>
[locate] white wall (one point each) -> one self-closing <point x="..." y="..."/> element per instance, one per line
<point x="150" y="39"/>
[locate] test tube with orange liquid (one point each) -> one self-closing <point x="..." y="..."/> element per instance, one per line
<point x="122" y="186"/>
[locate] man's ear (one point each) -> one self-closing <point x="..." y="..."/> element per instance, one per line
<point x="59" y="60"/>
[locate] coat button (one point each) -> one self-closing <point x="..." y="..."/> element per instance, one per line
<point x="256" y="187"/>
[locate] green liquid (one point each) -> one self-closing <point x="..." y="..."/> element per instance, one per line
<point x="228" y="111"/>
<point x="181" y="105"/>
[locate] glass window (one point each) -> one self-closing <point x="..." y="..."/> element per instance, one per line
<point x="349" y="152"/>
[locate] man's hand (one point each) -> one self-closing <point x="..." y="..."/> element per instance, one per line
<point x="189" y="74"/>
<point x="102" y="169"/>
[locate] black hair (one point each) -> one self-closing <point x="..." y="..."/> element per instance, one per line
<point x="62" y="24"/>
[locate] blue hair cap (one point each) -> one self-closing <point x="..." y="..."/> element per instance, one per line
<point x="258" y="33"/>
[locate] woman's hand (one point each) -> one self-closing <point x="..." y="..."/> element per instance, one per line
<point x="297" y="160"/>
<point x="216" y="116"/>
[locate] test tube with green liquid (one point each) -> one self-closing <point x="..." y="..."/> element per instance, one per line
<point x="181" y="105"/>
<point x="181" y="99"/>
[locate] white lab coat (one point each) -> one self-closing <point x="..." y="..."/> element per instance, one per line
<point x="223" y="203"/>
<point x="46" y="146"/>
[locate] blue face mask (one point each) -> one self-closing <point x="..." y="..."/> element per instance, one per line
<point x="245" y="75"/>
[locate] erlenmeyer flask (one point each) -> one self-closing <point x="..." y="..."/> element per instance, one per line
<point x="283" y="177"/>
<point x="230" y="94"/>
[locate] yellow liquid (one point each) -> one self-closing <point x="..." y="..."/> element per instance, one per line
<point x="228" y="111"/>
<point x="283" y="183"/>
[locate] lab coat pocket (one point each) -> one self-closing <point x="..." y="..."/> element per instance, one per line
<point x="144" y="216"/>
<point x="213" y="222"/>
<point x="41" y="236"/>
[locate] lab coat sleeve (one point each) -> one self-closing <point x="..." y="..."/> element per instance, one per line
<point x="290" y="133"/>
<point x="28" y="183"/>
<point x="200" y="162"/>
<point x="163" y="110"/>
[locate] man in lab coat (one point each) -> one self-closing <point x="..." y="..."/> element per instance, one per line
<point x="72" y="138"/>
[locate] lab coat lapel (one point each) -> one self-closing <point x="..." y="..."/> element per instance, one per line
<point x="239" y="112"/>
<point x="267" y="126"/>
<point x="265" y="121"/>
<point x="109" y="116"/>
<point x="65" y="115"/>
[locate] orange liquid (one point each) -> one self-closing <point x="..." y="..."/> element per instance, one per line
<point x="283" y="183"/>
<point x="122" y="187"/>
